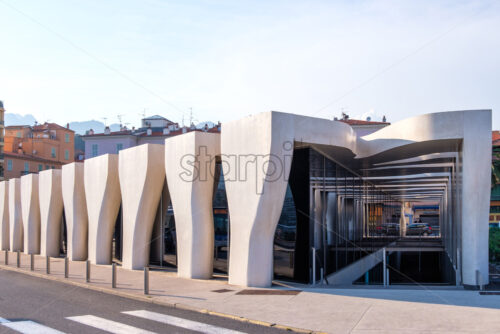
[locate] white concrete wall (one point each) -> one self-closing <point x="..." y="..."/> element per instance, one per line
<point x="51" y="209"/>
<point x="102" y="194"/>
<point x="75" y="210"/>
<point x="190" y="167"/>
<point x="4" y="215"/>
<point x="142" y="175"/>
<point x="30" y="213"/>
<point x="256" y="156"/>
<point x="476" y="190"/>
<point x="15" y="219"/>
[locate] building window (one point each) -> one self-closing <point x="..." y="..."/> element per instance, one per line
<point x="53" y="167"/>
<point x="53" y="153"/>
<point x="119" y="147"/>
<point x="66" y="154"/>
<point x="9" y="165"/>
<point x="66" y="137"/>
<point x="47" y="166"/>
<point x="94" y="150"/>
<point x="40" y="167"/>
<point x="18" y="134"/>
<point x="26" y="167"/>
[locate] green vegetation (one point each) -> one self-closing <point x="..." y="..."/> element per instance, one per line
<point x="494" y="245"/>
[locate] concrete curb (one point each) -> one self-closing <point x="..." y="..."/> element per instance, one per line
<point x="151" y="300"/>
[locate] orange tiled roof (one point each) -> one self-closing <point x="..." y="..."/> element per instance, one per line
<point x="48" y="126"/>
<point x="361" y="122"/>
<point x="495" y="138"/>
<point x="30" y="157"/>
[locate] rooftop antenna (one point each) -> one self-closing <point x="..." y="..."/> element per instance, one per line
<point x="143" y="114"/>
<point x="105" y="119"/>
<point x="190" y="116"/>
<point x="119" y="118"/>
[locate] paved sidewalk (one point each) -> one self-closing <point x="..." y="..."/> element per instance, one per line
<point x="322" y="309"/>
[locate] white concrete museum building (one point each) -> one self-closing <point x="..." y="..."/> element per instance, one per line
<point x="304" y="199"/>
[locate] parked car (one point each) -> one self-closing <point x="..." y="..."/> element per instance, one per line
<point x="419" y="229"/>
<point x="388" y="229"/>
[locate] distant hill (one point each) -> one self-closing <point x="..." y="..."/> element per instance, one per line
<point x="201" y="125"/>
<point x="82" y="127"/>
<point x="15" y="119"/>
<point x="78" y="127"/>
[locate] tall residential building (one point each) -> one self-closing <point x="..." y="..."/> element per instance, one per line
<point x="2" y="111"/>
<point x="30" y="149"/>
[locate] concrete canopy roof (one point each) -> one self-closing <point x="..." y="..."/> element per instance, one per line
<point x="426" y="144"/>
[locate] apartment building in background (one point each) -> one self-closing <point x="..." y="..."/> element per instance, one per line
<point x="154" y="130"/>
<point x="2" y="111"/>
<point x="31" y="149"/>
<point x="363" y="127"/>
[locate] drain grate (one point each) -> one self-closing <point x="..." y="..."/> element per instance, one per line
<point x="269" y="292"/>
<point x="489" y="293"/>
<point x="222" y="290"/>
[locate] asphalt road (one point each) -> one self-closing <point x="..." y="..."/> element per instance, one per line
<point x="27" y="303"/>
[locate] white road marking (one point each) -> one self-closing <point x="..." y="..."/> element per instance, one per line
<point x="108" y="325"/>
<point x="180" y="322"/>
<point x="2" y="320"/>
<point x="29" y="327"/>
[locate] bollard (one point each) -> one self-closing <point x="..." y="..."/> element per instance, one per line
<point x="48" y="264"/>
<point x="146" y="280"/>
<point x="66" y="267"/>
<point x="18" y="259"/>
<point x="313" y="266"/>
<point x="88" y="271"/>
<point x="113" y="275"/>
<point x="6" y="257"/>
<point x="32" y="262"/>
<point x="384" y="267"/>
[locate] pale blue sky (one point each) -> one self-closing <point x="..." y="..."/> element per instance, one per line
<point x="68" y="60"/>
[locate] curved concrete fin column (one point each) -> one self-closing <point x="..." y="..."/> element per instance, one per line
<point x="30" y="213"/>
<point x="256" y="159"/>
<point x="142" y="176"/>
<point x="102" y="194"/>
<point x="190" y="165"/>
<point x="75" y="210"/>
<point x="15" y="219"/>
<point x="476" y="190"/>
<point x="51" y="208"/>
<point x="4" y="215"/>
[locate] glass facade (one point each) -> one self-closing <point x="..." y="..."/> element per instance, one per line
<point x="331" y="217"/>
